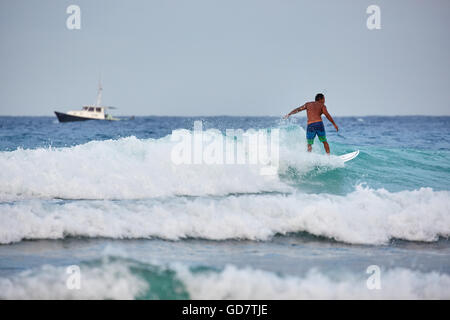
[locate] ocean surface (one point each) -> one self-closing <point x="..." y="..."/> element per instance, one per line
<point x="108" y="198"/>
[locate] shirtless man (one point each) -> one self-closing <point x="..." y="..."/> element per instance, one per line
<point x="314" y="111"/>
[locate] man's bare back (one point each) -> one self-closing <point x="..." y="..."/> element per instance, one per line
<point x="314" y="111"/>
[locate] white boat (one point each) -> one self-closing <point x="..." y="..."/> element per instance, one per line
<point x="89" y="112"/>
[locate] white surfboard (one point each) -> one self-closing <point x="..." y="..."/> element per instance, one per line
<point x="349" y="156"/>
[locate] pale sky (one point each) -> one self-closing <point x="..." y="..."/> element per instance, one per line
<point x="225" y="57"/>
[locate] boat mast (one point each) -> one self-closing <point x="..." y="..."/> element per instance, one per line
<point x="99" y="93"/>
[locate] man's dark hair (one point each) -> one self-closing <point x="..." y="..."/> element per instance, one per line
<point x="319" y="96"/>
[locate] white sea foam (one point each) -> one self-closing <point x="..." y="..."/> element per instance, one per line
<point x="116" y="280"/>
<point x="365" y="216"/>
<point x="131" y="168"/>
<point x="106" y="281"/>
<point x="248" y="283"/>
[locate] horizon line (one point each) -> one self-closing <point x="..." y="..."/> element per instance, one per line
<point x="252" y="116"/>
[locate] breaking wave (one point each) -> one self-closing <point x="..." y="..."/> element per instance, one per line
<point x="126" y="279"/>
<point x="131" y="168"/>
<point x="365" y="216"/>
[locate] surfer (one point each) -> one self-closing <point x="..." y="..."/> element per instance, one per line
<point x="314" y="111"/>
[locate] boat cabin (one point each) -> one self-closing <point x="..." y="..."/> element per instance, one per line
<point x="92" y="112"/>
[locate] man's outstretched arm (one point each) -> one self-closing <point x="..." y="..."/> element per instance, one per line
<point x="325" y="112"/>
<point x="296" y="110"/>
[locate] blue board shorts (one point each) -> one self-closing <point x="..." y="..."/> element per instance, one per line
<point x="313" y="129"/>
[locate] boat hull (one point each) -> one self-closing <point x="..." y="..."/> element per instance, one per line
<point x="64" y="117"/>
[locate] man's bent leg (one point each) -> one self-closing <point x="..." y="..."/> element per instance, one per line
<point x="323" y="139"/>
<point x="310" y="141"/>
<point x="327" y="147"/>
